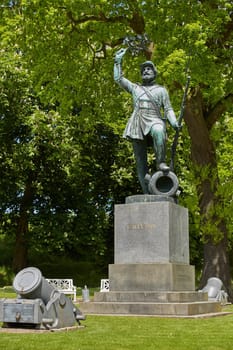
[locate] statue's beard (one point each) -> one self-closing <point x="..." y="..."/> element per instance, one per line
<point x="148" y="80"/>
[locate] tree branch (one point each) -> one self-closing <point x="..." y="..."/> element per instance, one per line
<point x="136" y="22"/>
<point x="228" y="29"/>
<point x="94" y="18"/>
<point x="218" y="110"/>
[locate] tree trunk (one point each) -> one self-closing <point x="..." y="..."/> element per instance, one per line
<point x="22" y="232"/>
<point x="216" y="263"/>
<point x="203" y="154"/>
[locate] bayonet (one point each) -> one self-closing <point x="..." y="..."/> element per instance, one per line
<point x="175" y="141"/>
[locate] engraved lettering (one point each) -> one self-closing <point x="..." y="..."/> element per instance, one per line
<point x="140" y="226"/>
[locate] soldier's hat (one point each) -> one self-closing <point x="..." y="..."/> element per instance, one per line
<point x="150" y="64"/>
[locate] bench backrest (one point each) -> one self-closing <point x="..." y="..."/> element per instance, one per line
<point x="61" y="284"/>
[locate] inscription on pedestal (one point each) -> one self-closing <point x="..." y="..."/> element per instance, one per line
<point x="140" y="226"/>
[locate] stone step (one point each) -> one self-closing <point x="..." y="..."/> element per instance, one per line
<point x="163" y="309"/>
<point x="155" y="297"/>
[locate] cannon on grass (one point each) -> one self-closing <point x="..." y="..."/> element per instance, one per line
<point x="38" y="304"/>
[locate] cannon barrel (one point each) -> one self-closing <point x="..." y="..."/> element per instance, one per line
<point x="163" y="184"/>
<point x="213" y="287"/>
<point x="30" y="284"/>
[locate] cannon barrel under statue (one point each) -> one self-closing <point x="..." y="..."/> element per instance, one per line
<point x="163" y="184"/>
<point x="38" y="305"/>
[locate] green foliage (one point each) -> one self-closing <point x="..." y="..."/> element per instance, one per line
<point x="222" y="135"/>
<point x="83" y="273"/>
<point x="6" y="276"/>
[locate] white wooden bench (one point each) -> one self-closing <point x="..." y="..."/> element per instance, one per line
<point x="63" y="285"/>
<point x="104" y="285"/>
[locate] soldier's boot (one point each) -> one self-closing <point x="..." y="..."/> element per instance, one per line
<point x="164" y="167"/>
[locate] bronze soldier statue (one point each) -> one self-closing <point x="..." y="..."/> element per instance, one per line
<point x="152" y="108"/>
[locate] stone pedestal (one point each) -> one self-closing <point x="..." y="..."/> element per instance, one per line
<point x="151" y="274"/>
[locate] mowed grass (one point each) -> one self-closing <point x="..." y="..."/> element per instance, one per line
<point x="131" y="333"/>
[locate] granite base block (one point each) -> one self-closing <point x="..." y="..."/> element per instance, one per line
<point x="151" y="277"/>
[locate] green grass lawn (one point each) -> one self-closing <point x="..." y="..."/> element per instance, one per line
<point x="131" y="333"/>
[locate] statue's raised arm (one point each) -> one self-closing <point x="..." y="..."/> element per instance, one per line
<point x="118" y="74"/>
